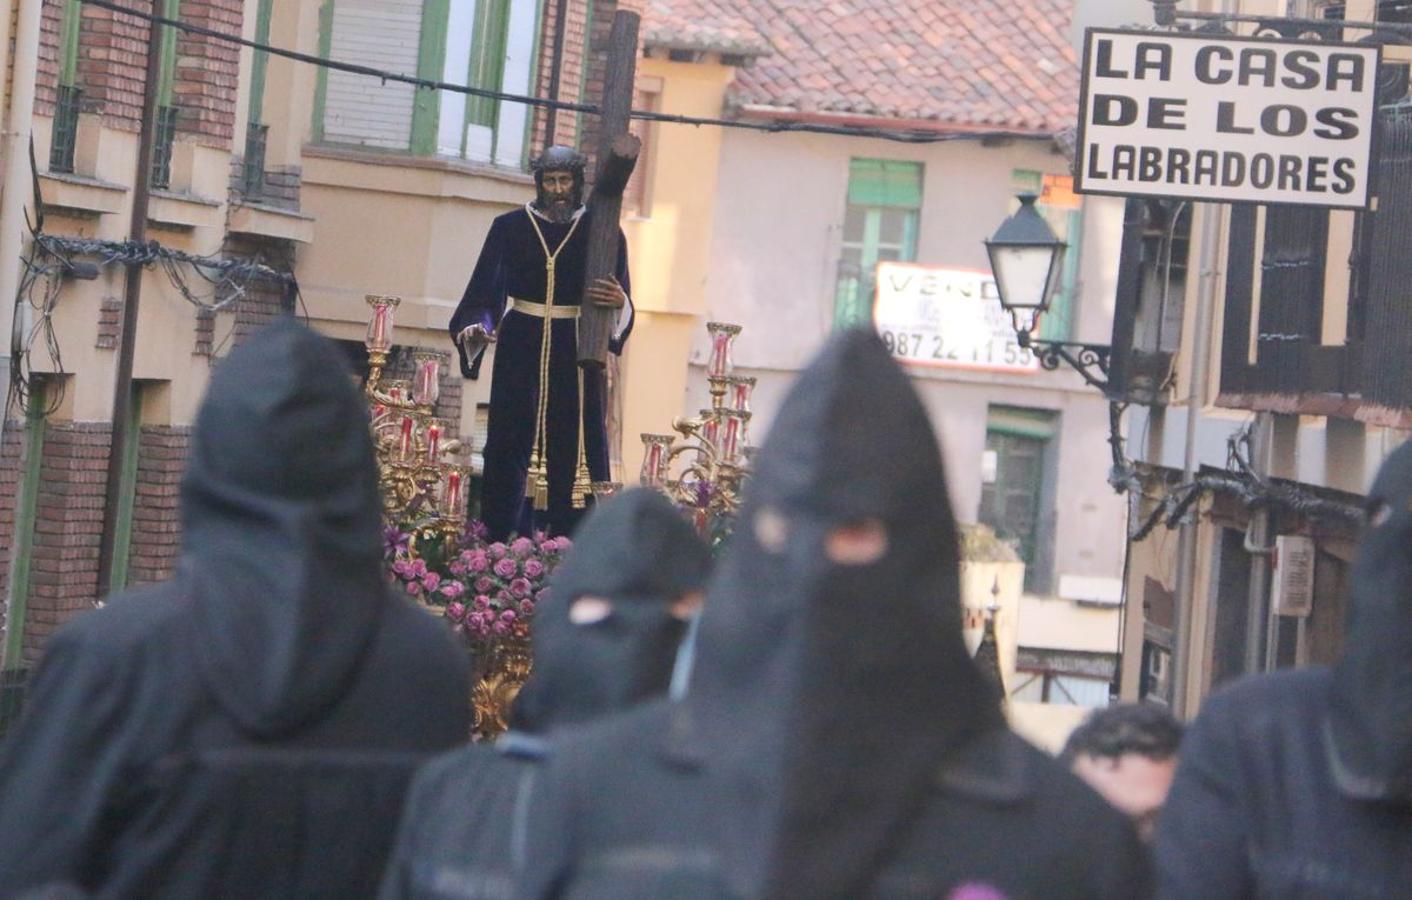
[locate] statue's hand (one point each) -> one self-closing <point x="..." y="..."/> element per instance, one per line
<point x="474" y="337"/>
<point x="606" y="292"/>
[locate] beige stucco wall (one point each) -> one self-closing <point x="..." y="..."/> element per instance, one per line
<point x="774" y="252"/>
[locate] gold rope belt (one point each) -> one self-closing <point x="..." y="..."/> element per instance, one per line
<point x="544" y="310"/>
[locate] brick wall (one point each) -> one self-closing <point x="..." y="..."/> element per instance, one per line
<point x="68" y="524"/>
<point x="571" y="73"/>
<point x="112" y="61"/>
<point x="448" y="402"/>
<point x="603" y="11"/>
<point x="156" y="523"/>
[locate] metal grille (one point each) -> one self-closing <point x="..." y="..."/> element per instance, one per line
<point x="1387" y="314"/>
<point x="65" y="138"/>
<point x="162" y="148"/>
<point x="1291" y="295"/>
<point x="252" y="174"/>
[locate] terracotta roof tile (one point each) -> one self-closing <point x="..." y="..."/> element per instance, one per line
<point x="700" y="25"/>
<point x="954" y="63"/>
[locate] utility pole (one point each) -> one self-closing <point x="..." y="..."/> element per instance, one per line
<point x="132" y="296"/>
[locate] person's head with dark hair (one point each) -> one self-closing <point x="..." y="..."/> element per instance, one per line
<point x="1128" y="753"/>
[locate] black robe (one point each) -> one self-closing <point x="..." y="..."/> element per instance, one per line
<point x="464" y="831"/>
<point x="1299" y="784"/>
<point x="512" y="265"/>
<point x="248" y="728"/>
<point x="836" y="740"/>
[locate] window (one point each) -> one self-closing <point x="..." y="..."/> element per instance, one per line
<point x="880" y="224"/>
<point x="65" y="135"/>
<point x="1061" y="690"/>
<point x="252" y="176"/>
<point x="166" y="111"/>
<point x="487" y="44"/>
<point x="1018" y="486"/>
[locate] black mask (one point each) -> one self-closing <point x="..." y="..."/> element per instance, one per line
<point x="828" y="692"/>
<point x="639" y="553"/>
<point x="1370" y="711"/>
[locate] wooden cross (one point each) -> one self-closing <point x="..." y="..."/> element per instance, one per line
<point x="617" y="155"/>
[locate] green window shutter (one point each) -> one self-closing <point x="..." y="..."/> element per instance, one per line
<point x="885" y="182"/>
<point x="68" y="47"/>
<point x="1040" y="424"/>
<point x="492" y="31"/>
<point x="1058" y="323"/>
<point x="261" y="61"/>
<point x="171" y="9"/>
<point x="321" y="80"/>
<point x="431" y="61"/>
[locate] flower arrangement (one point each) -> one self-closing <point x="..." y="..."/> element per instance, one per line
<point x="487" y="590"/>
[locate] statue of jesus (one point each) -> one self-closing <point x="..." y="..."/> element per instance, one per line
<point x="547" y="438"/>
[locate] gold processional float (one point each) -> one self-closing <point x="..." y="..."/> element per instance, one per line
<point x="425" y="480"/>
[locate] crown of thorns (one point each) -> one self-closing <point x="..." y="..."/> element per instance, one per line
<point x="560" y="159"/>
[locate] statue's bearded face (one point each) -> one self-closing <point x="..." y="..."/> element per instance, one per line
<point x="559" y="194"/>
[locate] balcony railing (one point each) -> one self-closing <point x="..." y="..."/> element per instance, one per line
<point x="65" y="136"/>
<point x="162" y="148"/>
<point x="252" y="172"/>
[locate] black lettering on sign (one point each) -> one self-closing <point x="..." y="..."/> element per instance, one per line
<point x="1345" y="67"/>
<point x="1114" y="109"/>
<point x="1291" y="173"/>
<point x="1178" y="161"/>
<point x="1232" y="170"/>
<point x="1093" y="170"/>
<point x="1340" y="123"/>
<point x="1103" y="61"/>
<point x="1150" y="165"/>
<point x="1257" y="64"/>
<point x="1206" y="164"/>
<point x="1167" y="113"/>
<point x="1225" y="119"/>
<point x="1262" y="170"/>
<point x="1316" y="179"/>
<point x="1153" y="57"/>
<point x="1343" y="175"/>
<point x="1303" y="76"/>
<point x="1283" y="120"/>
<point x="1124" y="161"/>
<point x="1207" y="60"/>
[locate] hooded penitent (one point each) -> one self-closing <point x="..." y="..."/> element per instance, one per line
<point x="1370" y="705"/>
<point x="463" y="832"/>
<point x="281" y="530"/>
<point x="640" y="554"/>
<point x="832" y="685"/>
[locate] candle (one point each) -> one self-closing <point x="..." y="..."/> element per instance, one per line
<point x="404" y="442"/>
<point x="710" y="428"/>
<point x="427" y="386"/>
<point x="433" y="440"/>
<point x="732" y="440"/>
<point x="655" y="459"/>
<point x="451" y="500"/>
<point x="380" y="327"/>
<point x="741" y="389"/>
<point x="721" y="337"/>
<point x="379" y="410"/>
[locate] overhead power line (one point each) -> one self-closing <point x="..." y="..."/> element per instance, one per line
<point x="901" y="135"/>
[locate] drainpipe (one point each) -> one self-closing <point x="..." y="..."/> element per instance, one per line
<point x="1187" y="575"/>
<point x="1259" y="544"/>
<point x="16" y="184"/>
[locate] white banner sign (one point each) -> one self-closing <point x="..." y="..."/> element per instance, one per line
<point x="946" y="317"/>
<point x="1227" y="119"/>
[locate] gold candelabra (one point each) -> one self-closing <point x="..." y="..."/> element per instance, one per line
<point x="704" y="473"/>
<point x="421" y="491"/>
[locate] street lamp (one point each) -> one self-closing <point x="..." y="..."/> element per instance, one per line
<point x="1027" y="260"/>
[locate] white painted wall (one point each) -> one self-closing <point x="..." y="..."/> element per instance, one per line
<point x="774" y="255"/>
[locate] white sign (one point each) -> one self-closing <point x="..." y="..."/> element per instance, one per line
<point x="946" y="317"/>
<point x="1227" y="119"/>
<point x="1292" y="593"/>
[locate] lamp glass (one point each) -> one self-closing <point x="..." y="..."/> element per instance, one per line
<point x="1025" y="275"/>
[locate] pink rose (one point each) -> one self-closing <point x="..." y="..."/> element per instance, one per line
<point x="457" y="568"/>
<point x="456" y="611"/>
<point x="419" y="567"/>
<point x="506" y="568"/>
<point x="497" y="550"/>
<point x="452" y="589"/>
<point x="564" y="543"/>
<point x="507" y="616"/>
<point x="522" y="547"/>
<point x="534" y="568"/>
<point x="519" y="588"/>
<point x="484" y="585"/>
<point x="402" y="568"/>
<point x="482" y="602"/>
<point x="414" y="588"/>
<point x="431" y="581"/>
<point x="478" y="562"/>
<point x="526" y="607"/>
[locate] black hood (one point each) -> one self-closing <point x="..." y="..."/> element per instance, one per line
<point x="637" y="551"/>
<point x="1370" y="716"/>
<point x="826" y="696"/>
<point x="281" y="537"/>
